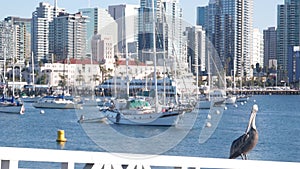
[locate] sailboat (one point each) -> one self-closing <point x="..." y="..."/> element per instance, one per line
<point x="138" y="110"/>
<point x="214" y="93"/>
<point x="56" y="102"/>
<point x="10" y="104"/>
<point x="31" y="98"/>
<point x="61" y="101"/>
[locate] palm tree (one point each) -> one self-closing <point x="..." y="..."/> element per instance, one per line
<point x="95" y="78"/>
<point x="116" y="61"/>
<point x="63" y="81"/>
<point x="80" y="78"/>
<point x="109" y="71"/>
<point x="103" y="72"/>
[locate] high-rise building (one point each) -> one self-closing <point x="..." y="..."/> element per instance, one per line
<point x="258" y="49"/>
<point x="228" y="24"/>
<point x="196" y="48"/>
<point x="126" y="17"/>
<point x="287" y="33"/>
<point x="21" y="37"/>
<point x="41" y="30"/>
<point x="269" y="46"/>
<point x="146" y="12"/>
<point x="168" y="30"/>
<point x="99" y="21"/>
<point x="15" y="38"/>
<point x="69" y="34"/>
<point x="293" y="65"/>
<point x="103" y="49"/>
<point x="6" y="39"/>
<point x="169" y="16"/>
<point x="201" y="15"/>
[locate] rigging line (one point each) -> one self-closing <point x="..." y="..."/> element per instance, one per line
<point x="218" y="72"/>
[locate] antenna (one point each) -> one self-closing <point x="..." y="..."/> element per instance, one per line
<point x="55" y="8"/>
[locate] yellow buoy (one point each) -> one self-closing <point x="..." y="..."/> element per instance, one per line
<point x="61" y="136"/>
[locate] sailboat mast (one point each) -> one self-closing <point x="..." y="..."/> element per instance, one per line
<point x="13" y="85"/>
<point x="127" y="77"/>
<point x="154" y="55"/>
<point x="208" y="73"/>
<point x="4" y="65"/>
<point x="32" y="69"/>
<point x="164" y="52"/>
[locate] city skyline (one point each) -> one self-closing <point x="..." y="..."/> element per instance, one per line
<point x="265" y="12"/>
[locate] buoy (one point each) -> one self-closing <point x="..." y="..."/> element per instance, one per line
<point x="208" y="124"/>
<point x="254" y="101"/>
<point x="42" y="112"/>
<point x="208" y="116"/>
<point x="61" y="136"/>
<point x="61" y="144"/>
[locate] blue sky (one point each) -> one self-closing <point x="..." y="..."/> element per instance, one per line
<point x="265" y="11"/>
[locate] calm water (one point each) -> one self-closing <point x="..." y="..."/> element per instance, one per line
<point x="278" y="123"/>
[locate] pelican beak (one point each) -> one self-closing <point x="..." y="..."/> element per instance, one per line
<point x="254" y="108"/>
<point x="252" y="117"/>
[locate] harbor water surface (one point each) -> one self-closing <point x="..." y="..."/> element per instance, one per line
<point x="278" y="124"/>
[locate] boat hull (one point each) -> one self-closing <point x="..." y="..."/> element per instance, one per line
<point x="230" y="100"/>
<point x="12" y="109"/>
<point x="148" y="119"/>
<point x="56" y="105"/>
<point x="203" y="104"/>
<point x="30" y="99"/>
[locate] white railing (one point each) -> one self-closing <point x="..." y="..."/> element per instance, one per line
<point x="10" y="158"/>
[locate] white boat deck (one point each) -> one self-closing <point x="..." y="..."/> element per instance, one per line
<point x="10" y="158"/>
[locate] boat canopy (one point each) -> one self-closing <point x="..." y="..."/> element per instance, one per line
<point x="133" y="104"/>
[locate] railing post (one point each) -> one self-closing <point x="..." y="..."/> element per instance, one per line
<point x="97" y="166"/>
<point x="88" y="166"/>
<point x="9" y="164"/>
<point x="67" y="165"/>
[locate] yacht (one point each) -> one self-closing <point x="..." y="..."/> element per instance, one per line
<point x="13" y="106"/>
<point x="56" y="102"/>
<point x="138" y="111"/>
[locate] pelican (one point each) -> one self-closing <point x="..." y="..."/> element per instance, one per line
<point x="245" y="143"/>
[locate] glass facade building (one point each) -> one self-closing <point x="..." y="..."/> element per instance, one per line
<point x="287" y="34"/>
<point x="228" y="24"/>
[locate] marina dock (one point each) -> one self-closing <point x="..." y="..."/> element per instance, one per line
<point x="265" y="92"/>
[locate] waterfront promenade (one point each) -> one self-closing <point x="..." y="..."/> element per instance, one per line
<point x="265" y="92"/>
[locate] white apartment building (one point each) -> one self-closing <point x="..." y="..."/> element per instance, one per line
<point x="136" y="69"/>
<point x="69" y="36"/>
<point x="258" y="48"/>
<point x="15" y="37"/>
<point x="6" y="40"/>
<point x="40" y="30"/>
<point x="103" y="50"/>
<point x="79" y="72"/>
<point x="196" y="45"/>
